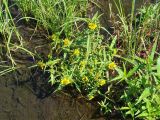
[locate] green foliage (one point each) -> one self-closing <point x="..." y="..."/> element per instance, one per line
<point x="84" y="61"/>
<point x="141" y="64"/>
<point x="122" y="70"/>
<point x="55" y="15"/>
<point x="8" y="46"/>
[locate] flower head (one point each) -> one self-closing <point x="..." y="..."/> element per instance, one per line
<point x="76" y="52"/>
<point x="112" y="65"/>
<point x="85" y="79"/>
<point x="90" y="97"/>
<point x="92" y="26"/>
<point x="102" y="82"/>
<point x="82" y="63"/>
<point x="41" y="64"/>
<point x="66" y="42"/>
<point x="65" y="81"/>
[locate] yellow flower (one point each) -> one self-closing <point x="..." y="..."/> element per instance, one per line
<point x="92" y="26"/>
<point x="90" y="97"/>
<point x="67" y="42"/>
<point x="76" y="52"/>
<point x="41" y="64"/>
<point x="102" y="82"/>
<point x="85" y="79"/>
<point x="112" y="65"/>
<point x="82" y="63"/>
<point x="65" y="81"/>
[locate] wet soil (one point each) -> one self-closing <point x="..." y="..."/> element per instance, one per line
<point x="19" y="102"/>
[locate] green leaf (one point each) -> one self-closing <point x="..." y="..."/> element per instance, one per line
<point x="153" y="51"/>
<point x="157" y="99"/>
<point x="132" y="71"/>
<point x="143" y="114"/>
<point x="113" y="42"/>
<point x="52" y="62"/>
<point x="140" y="59"/>
<point x="144" y="95"/>
<point x="158" y="67"/>
<point x="52" y="79"/>
<point x="120" y="75"/>
<point x="124" y="108"/>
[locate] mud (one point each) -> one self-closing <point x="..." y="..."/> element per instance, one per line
<point x="18" y="102"/>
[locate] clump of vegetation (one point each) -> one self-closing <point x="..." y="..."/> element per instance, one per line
<point x="8" y="46"/>
<point x="122" y="71"/>
<point x="56" y="15"/>
<point x="137" y="46"/>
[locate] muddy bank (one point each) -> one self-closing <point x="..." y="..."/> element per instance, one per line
<point x="19" y="102"/>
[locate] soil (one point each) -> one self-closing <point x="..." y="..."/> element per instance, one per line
<point x="19" y="102"/>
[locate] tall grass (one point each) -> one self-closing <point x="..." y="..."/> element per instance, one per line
<point x="55" y="15"/>
<point x="139" y="59"/>
<point x="8" y="29"/>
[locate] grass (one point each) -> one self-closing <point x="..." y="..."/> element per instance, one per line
<point x="8" y="45"/>
<point x="120" y="72"/>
